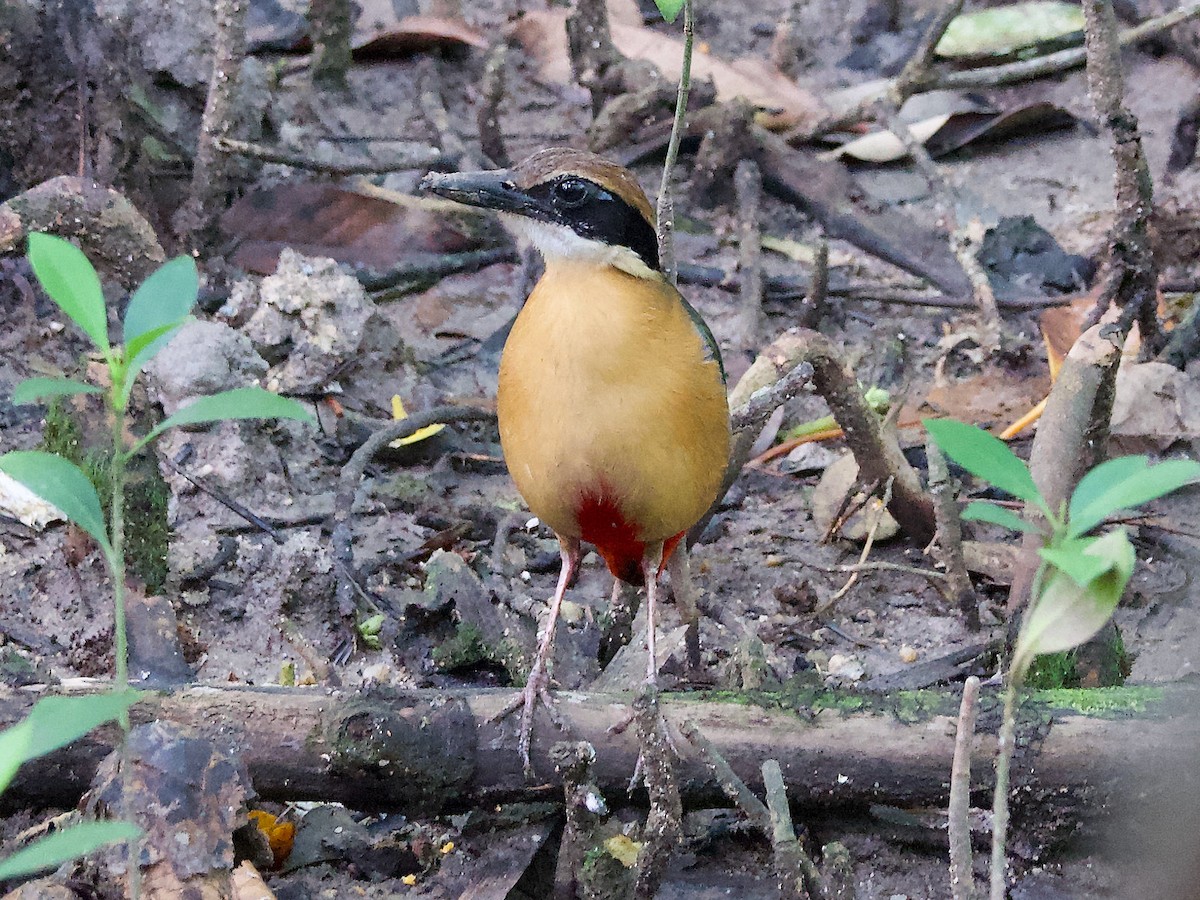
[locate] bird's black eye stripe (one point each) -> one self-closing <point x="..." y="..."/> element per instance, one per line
<point x="594" y="213"/>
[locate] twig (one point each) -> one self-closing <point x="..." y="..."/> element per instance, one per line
<point x="664" y="823"/>
<point x="747" y="182"/>
<point x="818" y="293"/>
<point x="949" y="535"/>
<point x="330" y="24"/>
<point x="931" y="574"/>
<point x="591" y="51"/>
<point x="417" y="158"/>
<point x="665" y="211"/>
<point x="583" y="804"/>
<point x="228" y="502"/>
<point x="911" y="80"/>
<point x="198" y="213"/>
<point x="962" y="878"/>
<point x="792" y="865"/>
<point x="433" y="110"/>
<point x="491" y="92"/>
<point x="732" y="786"/>
<point x="1131" y="254"/>
<point x="352" y="473"/>
<point x="1053" y="63"/>
<point x="1004" y="754"/>
<point x="866" y="550"/>
<point x="406" y="274"/>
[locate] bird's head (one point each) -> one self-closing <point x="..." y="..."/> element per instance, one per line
<point x="571" y="204"/>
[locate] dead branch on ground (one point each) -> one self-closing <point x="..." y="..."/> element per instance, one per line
<point x="748" y="183"/>
<point x="415" y="158"/>
<point x="491" y="92"/>
<point x="962" y="878"/>
<point x="949" y="541"/>
<point x="1133" y="276"/>
<point x="198" y="213"/>
<point x="442" y="746"/>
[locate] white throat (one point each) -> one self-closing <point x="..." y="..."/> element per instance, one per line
<point x="558" y="242"/>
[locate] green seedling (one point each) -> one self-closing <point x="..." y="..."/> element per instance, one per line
<point x="156" y="311"/>
<point x="52" y="723"/>
<point x="1081" y="575"/>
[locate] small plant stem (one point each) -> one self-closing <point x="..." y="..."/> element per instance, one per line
<point x="116" y="568"/>
<point x="116" y="562"/>
<point x="1004" y="754"/>
<point x="665" y="211"/>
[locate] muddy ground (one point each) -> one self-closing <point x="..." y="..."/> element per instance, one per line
<point x="269" y="602"/>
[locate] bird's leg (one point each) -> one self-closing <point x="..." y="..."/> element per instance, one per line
<point x="537" y="686"/>
<point x="651" y="563"/>
<point x="685" y="596"/>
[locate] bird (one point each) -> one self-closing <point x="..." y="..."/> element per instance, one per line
<point x="612" y="405"/>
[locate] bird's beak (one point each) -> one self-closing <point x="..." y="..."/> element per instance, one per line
<point x="489" y="190"/>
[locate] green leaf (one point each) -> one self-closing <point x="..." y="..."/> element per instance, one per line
<point x="72" y="283"/>
<point x="240" y="403"/>
<point x="1124" y="483"/>
<point x="14" y="744"/>
<point x="1002" y="30"/>
<point x="670" y="9"/>
<point x="165" y="298"/>
<point x="1066" y="613"/>
<point x="57" y="721"/>
<point x="1071" y="556"/>
<point x="62" y="484"/>
<point x="980" y="511"/>
<point x="141" y="349"/>
<point x="35" y="390"/>
<point x="70" y="843"/>
<point x="984" y="456"/>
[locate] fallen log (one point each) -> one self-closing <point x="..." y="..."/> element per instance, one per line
<point x="426" y="751"/>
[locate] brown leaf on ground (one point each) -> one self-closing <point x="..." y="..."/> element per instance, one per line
<point x="324" y="220"/>
<point x="379" y="32"/>
<point x="543" y="36"/>
<point x="995" y="395"/>
<point x="949" y="131"/>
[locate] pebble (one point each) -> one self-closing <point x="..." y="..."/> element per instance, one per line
<point x="908" y="655"/>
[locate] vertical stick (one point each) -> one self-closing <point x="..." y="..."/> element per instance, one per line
<point x="666" y="211"/>
<point x="1004" y="754"/>
<point x="962" y="879"/>
<point x="208" y="170"/>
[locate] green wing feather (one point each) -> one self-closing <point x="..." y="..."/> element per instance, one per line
<point x="710" y="342"/>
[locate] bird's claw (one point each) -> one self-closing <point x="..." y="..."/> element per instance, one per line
<point x="537" y="687"/>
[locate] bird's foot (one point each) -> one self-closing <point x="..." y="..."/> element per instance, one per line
<point x="537" y="687"/>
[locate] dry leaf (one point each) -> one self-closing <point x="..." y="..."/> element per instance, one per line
<point x="884" y="146"/>
<point x="350" y="227"/>
<point x="379" y="33"/>
<point x="543" y="36"/>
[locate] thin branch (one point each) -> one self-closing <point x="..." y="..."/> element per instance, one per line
<point x="417" y="158"/>
<point x="949" y="535"/>
<point x="962" y="878"/>
<point x="491" y="92"/>
<point x="198" y="213"/>
<point x="665" y="211"/>
<point x="747" y="181"/>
